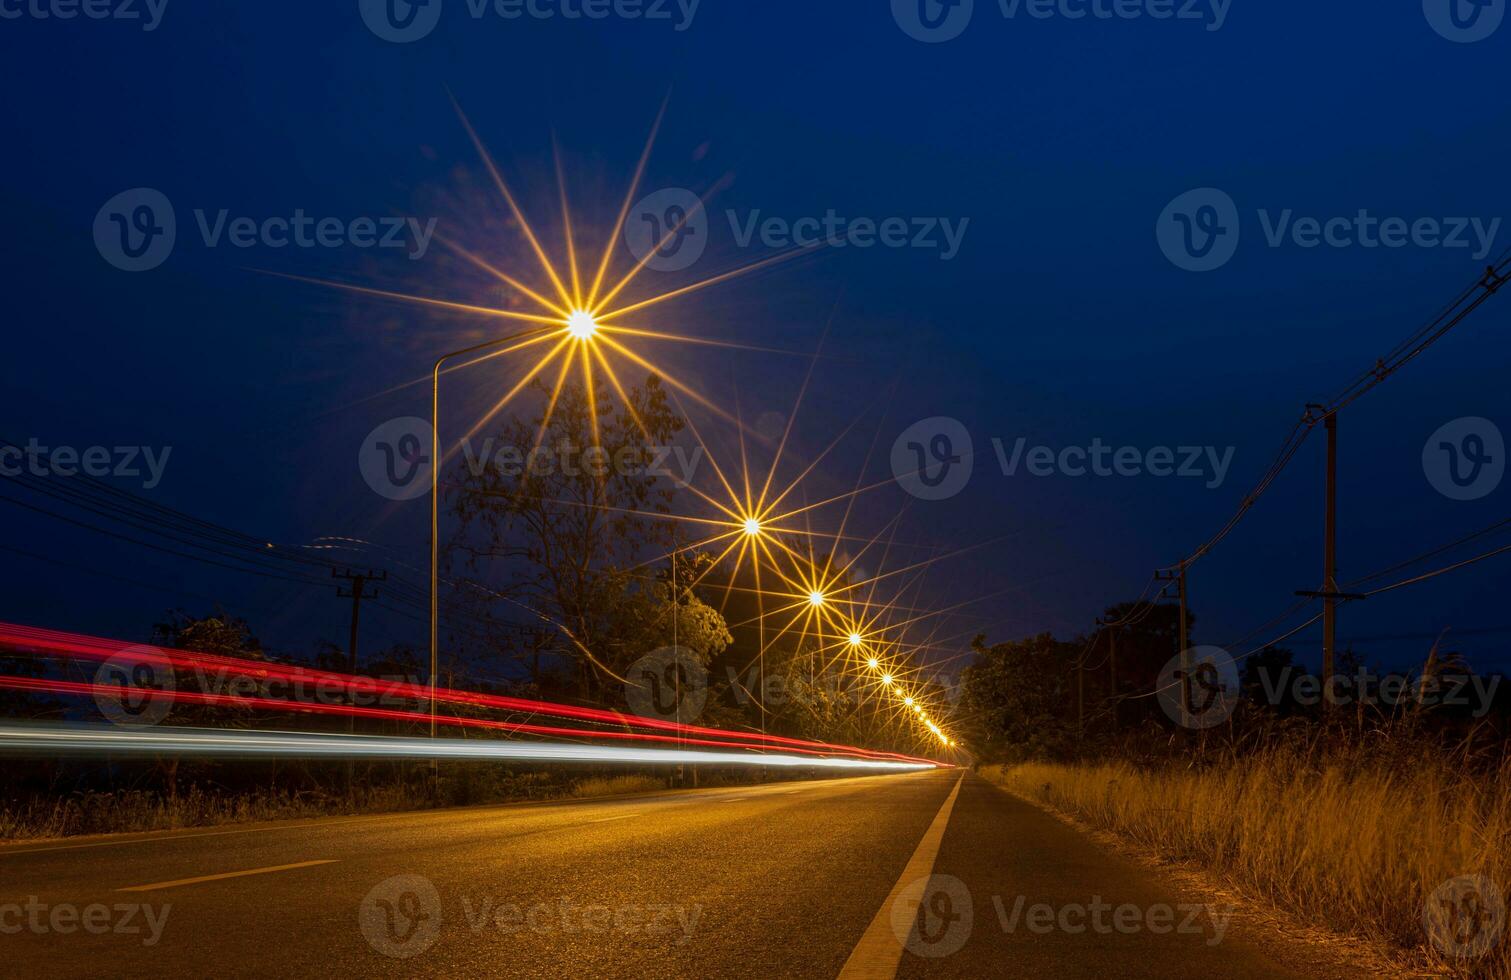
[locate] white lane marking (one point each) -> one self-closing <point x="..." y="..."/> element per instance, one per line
<point x="878" y="953"/>
<point x="159" y="886"/>
<point x="734" y="799"/>
<point x="622" y="816"/>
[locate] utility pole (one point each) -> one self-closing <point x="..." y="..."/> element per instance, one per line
<point x="1179" y="579"/>
<point x="1329" y="595"/>
<point x="1112" y="668"/>
<point x="358" y="591"/>
<point x="1081" y="695"/>
<point x="1330" y="553"/>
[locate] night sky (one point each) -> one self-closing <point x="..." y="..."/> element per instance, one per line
<point x="1060" y="320"/>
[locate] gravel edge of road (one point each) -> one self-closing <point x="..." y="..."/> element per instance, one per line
<point x="1302" y="946"/>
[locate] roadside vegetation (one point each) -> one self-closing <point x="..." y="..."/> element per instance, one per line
<point x="139" y="810"/>
<point x="1356" y="818"/>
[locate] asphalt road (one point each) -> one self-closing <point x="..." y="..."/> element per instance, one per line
<point x="796" y="879"/>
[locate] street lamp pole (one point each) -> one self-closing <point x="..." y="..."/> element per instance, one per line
<point x="435" y="491"/>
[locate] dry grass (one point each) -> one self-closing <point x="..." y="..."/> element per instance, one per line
<point x="617" y="785"/>
<point x="135" y="811"/>
<point x="1352" y="843"/>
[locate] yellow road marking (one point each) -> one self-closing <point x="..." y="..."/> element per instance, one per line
<point x="221" y="877"/>
<point x="878" y="954"/>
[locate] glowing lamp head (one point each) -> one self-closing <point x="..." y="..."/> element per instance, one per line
<point x="581" y="325"/>
<point x="908" y="702"/>
<point x="873" y="663"/>
<point x="752" y="526"/>
<point x="886" y="679"/>
<point x="855" y="639"/>
<point x="815" y="598"/>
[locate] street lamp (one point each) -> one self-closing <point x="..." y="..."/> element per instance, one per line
<point x="435" y="474"/>
<point x="581" y="325"/>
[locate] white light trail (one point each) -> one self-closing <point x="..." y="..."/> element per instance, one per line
<point x="200" y="741"/>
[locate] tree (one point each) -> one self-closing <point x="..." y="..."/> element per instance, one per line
<point x="568" y="518"/>
<point x="220" y="635"/>
<point x="1020" y="698"/>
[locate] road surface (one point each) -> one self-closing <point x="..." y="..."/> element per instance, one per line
<point x="917" y="875"/>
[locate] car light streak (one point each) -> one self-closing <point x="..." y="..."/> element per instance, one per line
<point x="67" y="739"/>
<point x="58" y="643"/>
<point x="387" y="714"/>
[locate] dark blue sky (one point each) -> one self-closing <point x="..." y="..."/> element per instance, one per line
<point x="1060" y="320"/>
